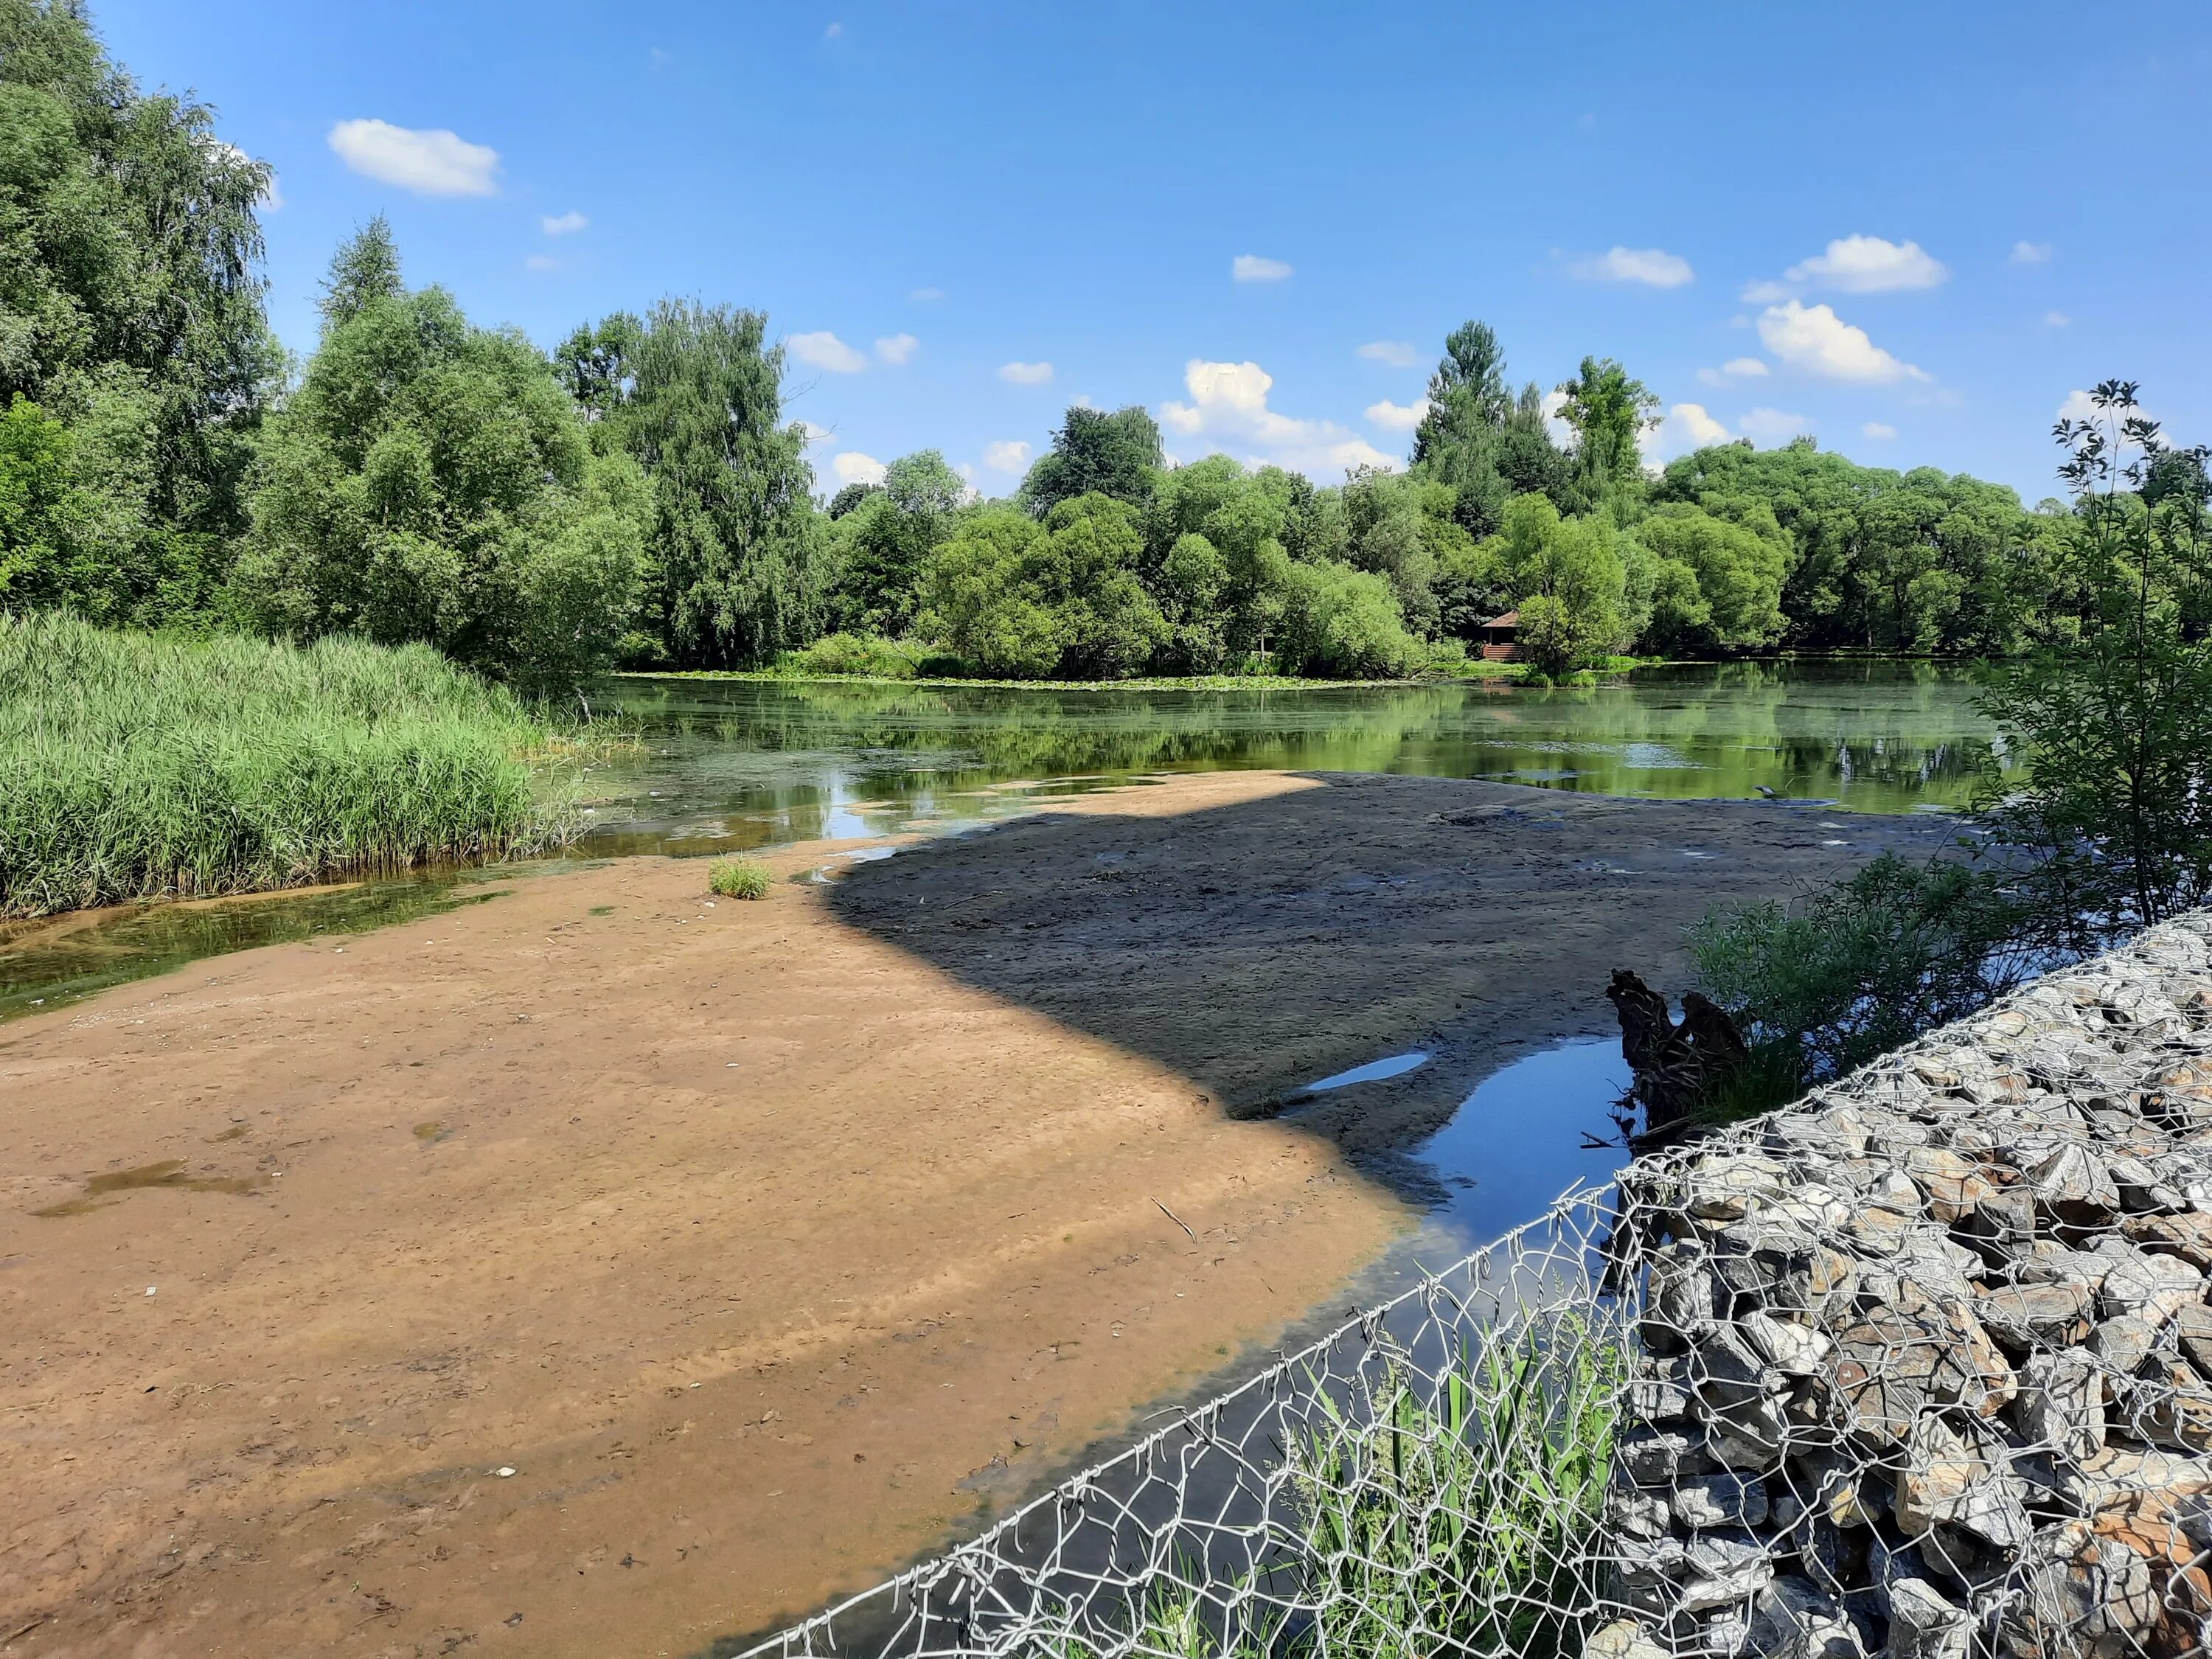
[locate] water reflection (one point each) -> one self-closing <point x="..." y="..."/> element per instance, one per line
<point x="742" y="763"/>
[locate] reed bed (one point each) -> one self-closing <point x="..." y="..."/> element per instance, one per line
<point x="137" y="766"/>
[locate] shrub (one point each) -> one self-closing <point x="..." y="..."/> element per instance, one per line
<point x="871" y="655"/>
<point x="739" y="879"/>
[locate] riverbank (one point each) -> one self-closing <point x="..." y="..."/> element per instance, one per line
<point x="767" y="1243"/>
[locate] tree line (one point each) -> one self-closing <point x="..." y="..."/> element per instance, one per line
<point x="636" y="497"/>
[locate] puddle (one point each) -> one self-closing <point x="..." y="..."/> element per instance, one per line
<point x="1373" y="1071"/>
<point x="169" y="1173"/>
<point x="1518" y="1140"/>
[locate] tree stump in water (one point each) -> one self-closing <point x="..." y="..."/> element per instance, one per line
<point x="1674" y="1065"/>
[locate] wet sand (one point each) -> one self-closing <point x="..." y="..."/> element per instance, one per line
<point x="766" y="1245"/>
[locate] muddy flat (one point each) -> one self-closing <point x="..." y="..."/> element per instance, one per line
<point x="600" y="1271"/>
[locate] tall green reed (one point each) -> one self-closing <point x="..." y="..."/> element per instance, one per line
<point x="136" y="766"/>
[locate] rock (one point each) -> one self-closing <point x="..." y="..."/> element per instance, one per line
<point x="2005" y="1218"/>
<point x="2172" y="1550"/>
<point x="1637" y="1512"/>
<point x="2021" y="1317"/>
<point x="1661" y="1393"/>
<point x="2172" y="1408"/>
<point x="2124" y="1343"/>
<point x="1791" y="1619"/>
<point x="1843" y="1491"/>
<point x="1725" y="1188"/>
<point x="1624" y="1639"/>
<point x="2143" y="1189"/>
<point x="2121" y="1474"/>
<point x="1652" y="1459"/>
<point x="1899" y="1360"/>
<point x="1724" y="1369"/>
<point x="2079" y="1596"/>
<point x="1949" y="1478"/>
<point x="1680" y="1298"/>
<point x="2187" y="1235"/>
<point x="2072" y="1184"/>
<point x="1952" y="1185"/>
<point x="2139" y="1282"/>
<point x="1792" y="1349"/>
<point x="1724" y="1567"/>
<point x="1719" y="1500"/>
<point x="1924" y="1623"/>
<point x="1880" y="1230"/>
<point x="2061" y="1403"/>
<point x="2192" y="1329"/>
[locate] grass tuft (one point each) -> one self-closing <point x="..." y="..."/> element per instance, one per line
<point x="138" y="766"/>
<point x="738" y="879"/>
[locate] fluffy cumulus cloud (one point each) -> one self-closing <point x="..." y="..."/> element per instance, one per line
<point x="852" y="467"/>
<point x="1398" y="417"/>
<point x="1025" y="374"/>
<point x="1815" y="340"/>
<point x="1251" y="268"/>
<point x="1227" y="407"/>
<point x="431" y="162"/>
<point x="1686" y="427"/>
<point x="2030" y="253"/>
<point x="2078" y="407"/>
<point x="1870" y="264"/>
<point x="1773" y="428"/>
<point x="1007" y="455"/>
<point x="1735" y="368"/>
<point x="1879" y="430"/>
<point x="1399" y="354"/>
<point x="1653" y="267"/>
<point x="896" y="348"/>
<point x="564" y="224"/>
<point x="824" y="350"/>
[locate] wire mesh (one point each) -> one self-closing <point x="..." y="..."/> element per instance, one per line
<point x="1921" y="1366"/>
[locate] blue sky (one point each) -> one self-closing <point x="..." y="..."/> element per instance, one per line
<point x="1912" y="230"/>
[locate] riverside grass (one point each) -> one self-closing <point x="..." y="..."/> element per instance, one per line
<point x="138" y="766"/>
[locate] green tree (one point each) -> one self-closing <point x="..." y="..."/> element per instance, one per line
<point x="1094" y="452"/>
<point x="880" y="541"/>
<point x="1479" y="440"/>
<point x="431" y="481"/>
<point x="131" y="310"/>
<point x="740" y="570"/>
<point x="44" y="512"/>
<point x="1735" y="576"/>
<point x="1575" y="567"/>
<point x="2114" y="813"/>
<point x="1609" y="408"/>
<point x="365" y="268"/>
<point x="1344" y="623"/>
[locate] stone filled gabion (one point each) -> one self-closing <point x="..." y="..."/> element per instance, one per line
<point x="1923" y="1366"/>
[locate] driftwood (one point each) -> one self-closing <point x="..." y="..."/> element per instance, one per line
<point x="1674" y="1065"/>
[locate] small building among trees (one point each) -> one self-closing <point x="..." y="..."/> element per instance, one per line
<point x="1500" y="638"/>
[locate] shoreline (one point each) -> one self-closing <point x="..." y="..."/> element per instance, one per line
<point x="690" y="1214"/>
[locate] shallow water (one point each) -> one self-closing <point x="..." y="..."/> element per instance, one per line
<point x="730" y="765"/>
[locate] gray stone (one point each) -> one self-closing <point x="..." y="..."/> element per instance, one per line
<point x="1949" y="1478"/>
<point x="1660" y="1459"/>
<point x="2061" y="1403"/>
<point x="1924" y="1623"/>
<point x="2073" y="1184"/>
<point x="2022" y="1316"/>
<point x="1719" y="1500"/>
<point x="2122" y="1344"/>
<point x="1637" y="1512"/>
<point x="2139" y="1282"/>
<point x="2078" y="1595"/>
<point x="1624" y="1639"/>
<point x="1792" y="1618"/>
<point x="1724" y="1567"/>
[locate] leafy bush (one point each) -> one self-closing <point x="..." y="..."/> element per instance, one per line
<point x="739" y="879"/>
<point x="134" y="765"/>
<point x="868" y="654"/>
<point x="1855" y="970"/>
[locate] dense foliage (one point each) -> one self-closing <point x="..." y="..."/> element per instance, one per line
<point x="133" y="765"/>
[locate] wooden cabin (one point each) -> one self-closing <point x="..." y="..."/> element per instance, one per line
<point x="1499" y="637"/>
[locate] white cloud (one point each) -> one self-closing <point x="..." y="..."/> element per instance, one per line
<point x="1879" y="430"/>
<point x="564" y="224"/>
<point x="1764" y="293"/>
<point x="431" y="162"/>
<point x="854" y="467"/>
<point x="824" y="350"/>
<point x="927" y="295"/>
<point x="1007" y="455"/>
<point x="541" y="262"/>
<point x="2030" y="253"/>
<point x="2056" y="319"/>
<point x="271" y="199"/>
<point x="1686" y="427"/>
<point x="1772" y="426"/>
<point x="1251" y="268"/>
<point x="1654" y="267"/>
<point x="833" y="31"/>
<point x="1229" y="405"/>
<point x="1870" y="264"/>
<point x="813" y="433"/>
<point x="1398" y="417"/>
<point x="1399" y="354"/>
<point x="1025" y="374"/>
<point x="1815" y="339"/>
<point x="1563" y="433"/>
<point x="895" y="348"/>
<point x="2077" y="407"/>
<point x="1735" y="368"/>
